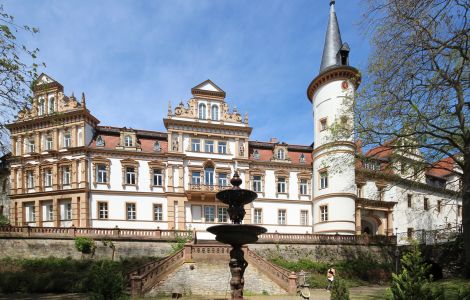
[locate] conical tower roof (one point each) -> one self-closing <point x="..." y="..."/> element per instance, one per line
<point x="333" y="41"/>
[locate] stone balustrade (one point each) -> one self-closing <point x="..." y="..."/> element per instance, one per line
<point x="335" y="239"/>
<point x="95" y="233"/>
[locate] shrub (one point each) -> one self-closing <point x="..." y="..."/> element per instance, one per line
<point x="413" y="281"/>
<point x="85" y="245"/>
<point x="4" y="221"/>
<point x="339" y="291"/>
<point x="179" y="243"/>
<point x="106" y="281"/>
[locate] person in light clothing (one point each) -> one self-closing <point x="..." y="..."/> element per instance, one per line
<point x="330" y="276"/>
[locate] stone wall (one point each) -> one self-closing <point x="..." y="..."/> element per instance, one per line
<point x="203" y="278"/>
<point x="40" y="248"/>
<point x="324" y="253"/>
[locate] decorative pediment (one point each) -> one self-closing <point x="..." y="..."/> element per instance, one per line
<point x="156" y="164"/>
<point x="129" y="162"/>
<point x="208" y="88"/>
<point x="45" y="82"/>
<point x="280" y="153"/>
<point x="257" y="171"/>
<point x="100" y="159"/>
<point x="281" y="172"/>
<point x="65" y="161"/>
<point x="304" y="175"/>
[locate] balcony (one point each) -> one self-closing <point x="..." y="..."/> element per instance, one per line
<point x="203" y="191"/>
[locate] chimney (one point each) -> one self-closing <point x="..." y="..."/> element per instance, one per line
<point x="274" y="140"/>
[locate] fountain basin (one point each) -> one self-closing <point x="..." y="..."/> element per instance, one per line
<point x="236" y="234"/>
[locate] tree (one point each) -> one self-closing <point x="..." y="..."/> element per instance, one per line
<point x="18" y="71"/>
<point x="414" y="279"/>
<point x="417" y="90"/>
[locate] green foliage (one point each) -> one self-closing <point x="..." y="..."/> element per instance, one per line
<point x="4" y="221"/>
<point x="85" y="245"/>
<point x="339" y="291"/>
<point x="111" y="245"/>
<point x="179" y="243"/>
<point x="106" y="281"/>
<point x="413" y="282"/>
<point x="64" y="275"/>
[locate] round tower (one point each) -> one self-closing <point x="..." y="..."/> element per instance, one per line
<point x="332" y="97"/>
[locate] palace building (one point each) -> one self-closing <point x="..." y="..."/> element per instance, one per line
<point x="67" y="170"/>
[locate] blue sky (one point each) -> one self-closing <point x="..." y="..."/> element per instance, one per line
<point x="132" y="57"/>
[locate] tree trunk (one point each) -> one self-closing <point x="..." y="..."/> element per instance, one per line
<point x="466" y="208"/>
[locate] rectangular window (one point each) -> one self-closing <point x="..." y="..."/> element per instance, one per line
<point x="31" y="146"/>
<point x="303" y="187"/>
<point x="157" y="177"/>
<point x="409" y="200"/>
<point x="439" y="203"/>
<point x="409" y="232"/>
<point x="30" y="213"/>
<point x="209" y="213"/>
<point x="102" y="210"/>
<point x="196" y="213"/>
<point x="65" y="175"/>
<point x="222" y="216"/>
<point x="323" y="124"/>
<point x="281" y="217"/>
<point x="48" y="143"/>
<point x="426" y="204"/>
<point x="257" y="183"/>
<point x="30" y="179"/>
<point x="49" y="212"/>
<point x="304" y="217"/>
<point x="131" y="211"/>
<point x="281" y="185"/>
<point x="459" y="211"/>
<point x="157" y="212"/>
<point x="223" y="179"/>
<point x="258" y="216"/>
<point x="48" y="178"/>
<point x="196" y="145"/>
<point x="222" y="147"/>
<point x="209" y="146"/>
<point x="68" y="211"/>
<point x="324" y="213"/>
<point x="67" y="140"/>
<point x="130" y="175"/>
<point x="323" y="179"/>
<point x="101" y="174"/>
<point x="196" y="178"/>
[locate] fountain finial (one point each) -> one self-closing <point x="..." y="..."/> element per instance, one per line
<point x="236" y="181"/>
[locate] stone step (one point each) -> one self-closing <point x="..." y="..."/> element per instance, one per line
<point x="210" y="279"/>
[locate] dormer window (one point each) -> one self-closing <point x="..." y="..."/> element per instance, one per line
<point x="157" y="147"/>
<point x="202" y="111"/>
<point x="323" y="124"/>
<point x="256" y="154"/>
<point x="99" y="141"/>
<point x="302" y="158"/>
<point x="281" y="154"/>
<point x="41" y="107"/>
<point x="51" y="104"/>
<point x="128" y="141"/>
<point x="215" y="113"/>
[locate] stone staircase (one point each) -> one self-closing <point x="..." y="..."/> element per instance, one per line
<point x="202" y="269"/>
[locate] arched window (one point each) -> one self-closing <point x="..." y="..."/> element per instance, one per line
<point x="215" y="113"/>
<point x="51" y="105"/>
<point x="256" y="154"/>
<point x="302" y="158"/>
<point x="202" y="111"/>
<point x="209" y="176"/>
<point x="41" y="107"/>
<point x="280" y="154"/>
<point x="128" y="141"/>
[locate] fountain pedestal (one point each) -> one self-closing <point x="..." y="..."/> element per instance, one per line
<point x="236" y="234"/>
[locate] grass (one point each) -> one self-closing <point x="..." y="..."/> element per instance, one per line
<point x="452" y="287"/>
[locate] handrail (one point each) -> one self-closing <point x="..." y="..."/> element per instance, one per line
<point x="274" y="272"/>
<point x="98" y="233"/>
<point x="146" y="277"/>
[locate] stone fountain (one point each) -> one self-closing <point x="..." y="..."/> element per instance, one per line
<point x="236" y="234"/>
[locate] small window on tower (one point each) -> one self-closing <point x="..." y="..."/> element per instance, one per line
<point x="323" y="124"/>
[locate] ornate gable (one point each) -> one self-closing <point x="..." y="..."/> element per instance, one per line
<point x="208" y="89"/>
